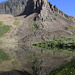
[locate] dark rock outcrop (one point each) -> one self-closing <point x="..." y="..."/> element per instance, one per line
<point x="19" y="7"/>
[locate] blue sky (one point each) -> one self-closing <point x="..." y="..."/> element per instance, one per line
<point x="2" y="0"/>
<point x="67" y="6"/>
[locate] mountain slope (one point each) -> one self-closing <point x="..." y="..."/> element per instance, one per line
<point x="42" y="22"/>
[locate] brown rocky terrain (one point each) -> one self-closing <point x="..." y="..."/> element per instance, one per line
<point x="43" y="22"/>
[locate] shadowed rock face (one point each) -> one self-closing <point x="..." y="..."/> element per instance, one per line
<point x="20" y="7"/>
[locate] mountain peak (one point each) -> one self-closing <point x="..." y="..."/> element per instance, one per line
<point x="27" y="7"/>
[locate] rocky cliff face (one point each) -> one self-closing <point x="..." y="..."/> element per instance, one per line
<point x="19" y="7"/>
<point x="27" y="7"/>
<point x="48" y="9"/>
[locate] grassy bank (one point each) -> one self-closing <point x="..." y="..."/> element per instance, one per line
<point x="66" y="69"/>
<point x="57" y="43"/>
<point x="64" y="45"/>
<point x="72" y="26"/>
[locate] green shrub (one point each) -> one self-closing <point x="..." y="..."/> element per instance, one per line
<point x="16" y="23"/>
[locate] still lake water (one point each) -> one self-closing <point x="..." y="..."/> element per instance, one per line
<point x="29" y="56"/>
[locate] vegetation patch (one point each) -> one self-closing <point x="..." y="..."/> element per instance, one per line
<point x="72" y="26"/>
<point x="63" y="44"/>
<point x="14" y="63"/>
<point x="3" y="56"/>
<point x="16" y="23"/>
<point x="34" y="25"/>
<point x="66" y="69"/>
<point x="59" y="43"/>
<point x="1" y="23"/>
<point x="3" y="28"/>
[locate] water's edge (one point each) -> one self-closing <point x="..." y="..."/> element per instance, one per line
<point x="15" y="72"/>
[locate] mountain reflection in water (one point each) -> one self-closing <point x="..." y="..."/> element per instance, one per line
<point x="34" y="60"/>
<point x="23" y="55"/>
